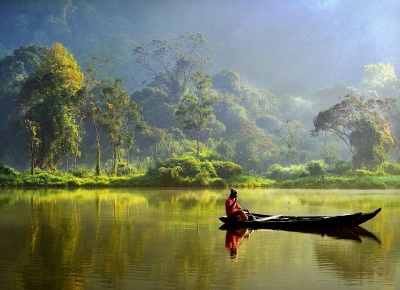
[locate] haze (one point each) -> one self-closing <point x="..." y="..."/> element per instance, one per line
<point x="282" y="46"/>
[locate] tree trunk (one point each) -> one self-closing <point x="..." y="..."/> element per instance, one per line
<point x="115" y="161"/>
<point x="198" y="143"/>
<point x="98" y="164"/>
<point x="98" y="160"/>
<point x="32" y="164"/>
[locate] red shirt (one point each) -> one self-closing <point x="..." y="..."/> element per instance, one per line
<point x="231" y="240"/>
<point x="229" y="208"/>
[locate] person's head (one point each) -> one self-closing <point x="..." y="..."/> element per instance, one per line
<point x="234" y="193"/>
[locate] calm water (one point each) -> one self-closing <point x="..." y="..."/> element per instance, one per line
<point x="170" y="239"/>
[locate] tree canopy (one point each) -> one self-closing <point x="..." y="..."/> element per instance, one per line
<point x="48" y="100"/>
<point x="351" y="120"/>
<point x="173" y="97"/>
<point x="195" y="110"/>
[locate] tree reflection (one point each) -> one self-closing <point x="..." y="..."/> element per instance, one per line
<point x="353" y="261"/>
<point x="127" y="238"/>
<point x="52" y="247"/>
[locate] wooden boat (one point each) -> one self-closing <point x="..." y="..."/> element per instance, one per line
<point x="260" y="221"/>
<point x="366" y="217"/>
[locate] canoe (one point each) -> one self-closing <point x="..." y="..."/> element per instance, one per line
<point x="260" y="221"/>
<point x="366" y="217"/>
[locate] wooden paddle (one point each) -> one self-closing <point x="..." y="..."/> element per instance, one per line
<point x="244" y="208"/>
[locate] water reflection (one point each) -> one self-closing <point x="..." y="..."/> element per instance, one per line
<point x="233" y="238"/>
<point x="354" y="234"/>
<point x="169" y="239"/>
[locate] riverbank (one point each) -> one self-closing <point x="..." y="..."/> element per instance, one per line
<point x="65" y="180"/>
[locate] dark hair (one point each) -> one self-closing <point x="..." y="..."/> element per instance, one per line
<point x="233" y="192"/>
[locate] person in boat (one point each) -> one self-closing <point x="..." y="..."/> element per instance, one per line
<point x="232" y="207"/>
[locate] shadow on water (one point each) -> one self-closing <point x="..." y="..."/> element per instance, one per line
<point x="354" y="234"/>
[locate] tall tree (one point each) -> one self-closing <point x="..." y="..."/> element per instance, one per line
<point x="169" y="66"/>
<point x="196" y="109"/>
<point x="91" y="109"/>
<point x="254" y="148"/>
<point x="158" y="107"/>
<point x="290" y="132"/>
<point x="120" y="116"/>
<point x="381" y="78"/>
<point x="347" y="121"/>
<point x="371" y="143"/>
<point x="14" y="69"/>
<point x="48" y="98"/>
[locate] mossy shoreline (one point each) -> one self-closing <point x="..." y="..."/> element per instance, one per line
<point x="47" y="180"/>
<point x="189" y="172"/>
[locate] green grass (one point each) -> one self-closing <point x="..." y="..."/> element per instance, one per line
<point x="140" y="180"/>
<point x="357" y="180"/>
<point x="343" y="182"/>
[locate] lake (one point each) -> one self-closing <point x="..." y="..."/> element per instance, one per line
<point x="170" y="239"/>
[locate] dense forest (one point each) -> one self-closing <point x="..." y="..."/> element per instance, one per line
<point x="118" y="86"/>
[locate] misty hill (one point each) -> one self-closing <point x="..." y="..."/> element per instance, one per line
<point x="277" y="65"/>
<point x="283" y="46"/>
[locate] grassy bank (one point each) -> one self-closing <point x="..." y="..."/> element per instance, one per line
<point x="65" y="180"/>
<point x="187" y="171"/>
<point x="343" y="182"/>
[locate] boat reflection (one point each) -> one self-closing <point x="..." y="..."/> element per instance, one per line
<point x="354" y="234"/>
<point x="233" y="238"/>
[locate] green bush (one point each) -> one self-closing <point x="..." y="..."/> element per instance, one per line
<point x="190" y="166"/>
<point x="188" y="170"/>
<point x="201" y="179"/>
<point x="218" y="182"/>
<point x="80" y="172"/>
<point x="341" y="168"/>
<point x="392" y="168"/>
<point x="227" y="169"/>
<point x="362" y="172"/>
<point x="315" y="167"/>
<point x="209" y="155"/>
<point x="7" y="170"/>
<point x="207" y="168"/>
<point x="126" y="170"/>
<point x="277" y="172"/>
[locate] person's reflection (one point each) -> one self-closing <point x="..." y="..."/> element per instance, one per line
<point x="232" y="240"/>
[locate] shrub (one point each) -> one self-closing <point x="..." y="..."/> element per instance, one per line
<point x="227" y="169"/>
<point x="341" y="168"/>
<point x="209" y="155"/>
<point x="7" y="170"/>
<point x="168" y="176"/>
<point x="218" y="182"/>
<point x="126" y="170"/>
<point x="277" y="172"/>
<point x="392" y="168"/>
<point x="188" y="169"/>
<point x="362" y="172"/>
<point x="208" y="168"/>
<point x="315" y="167"/>
<point x="80" y="172"/>
<point x="202" y="179"/>
<point x="190" y="166"/>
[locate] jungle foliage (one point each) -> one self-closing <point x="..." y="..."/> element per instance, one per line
<point x="67" y="92"/>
